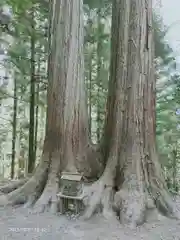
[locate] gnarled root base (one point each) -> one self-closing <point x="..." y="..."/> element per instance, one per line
<point x="48" y="198"/>
<point x="133" y="204"/>
<point x="12" y="186"/>
<point x="129" y="202"/>
<point x="164" y="203"/>
<point x="136" y="205"/>
<point x="40" y="191"/>
<point x="99" y="195"/>
<point x="47" y="201"/>
<point x="31" y="189"/>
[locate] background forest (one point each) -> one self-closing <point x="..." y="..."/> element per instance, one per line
<point x="23" y="84"/>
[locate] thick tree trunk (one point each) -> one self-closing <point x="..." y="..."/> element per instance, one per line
<point x="66" y="145"/>
<point x="129" y="136"/>
<point x="102" y="191"/>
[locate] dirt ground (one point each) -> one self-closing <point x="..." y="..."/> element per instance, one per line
<point x="18" y="224"/>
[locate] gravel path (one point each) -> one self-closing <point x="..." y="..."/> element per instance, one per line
<point x="18" y="224"/>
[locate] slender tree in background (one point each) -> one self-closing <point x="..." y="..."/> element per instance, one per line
<point x="99" y="69"/>
<point x="19" y="55"/>
<point x="90" y="94"/>
<point x="14" y="127"/>
<point x="36" y="117"/>
<point x="31" y="156"/>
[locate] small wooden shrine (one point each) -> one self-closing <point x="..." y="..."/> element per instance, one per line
<point x="70" y="195"/>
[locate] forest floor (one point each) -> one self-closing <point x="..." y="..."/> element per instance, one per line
<point x="18" y="224"/>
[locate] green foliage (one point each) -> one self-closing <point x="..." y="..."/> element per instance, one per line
<point x="93" y="4"/>
<point x="16" y="39"/>
<point x="167" y="120"/>
<point x="162" y="49"/>
<point x="97" y="57"/>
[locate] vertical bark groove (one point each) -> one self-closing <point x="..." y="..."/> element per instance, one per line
<point x="67" y="144"/>
<point x="102" y="190"/>
<point x="131" y="147"/>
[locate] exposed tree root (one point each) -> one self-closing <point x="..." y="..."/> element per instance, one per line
<point x="48" y="198"/>
<point x="152" y="214"/>
<point x="31" y="189"/>
<point x="130" y="201"/>
<point x="47" y="201"/>
<point x="5" y="182"/>
<point x="157" y="189"/>
<point x="99" y="195"/>
<point x="133" y="203"/>
<point x="164" y="202"/>
<point x="13" y="185"/>
<point x="136" y="205"/>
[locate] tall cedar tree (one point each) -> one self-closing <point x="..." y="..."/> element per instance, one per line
<point x="128" y="142"/>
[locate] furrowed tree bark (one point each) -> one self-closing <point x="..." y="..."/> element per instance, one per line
<point x="132" y="194"/>
<point x="66" y="146"/>
<point x="129" y="134"/>
<point x="156" y="185"/>
<point x="101" y="192"/>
